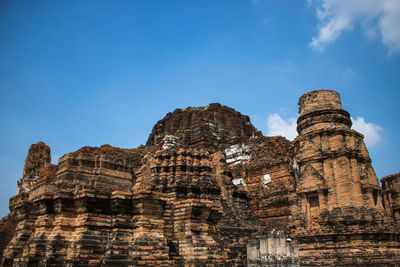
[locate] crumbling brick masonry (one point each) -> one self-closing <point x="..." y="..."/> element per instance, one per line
<point x="209" y="189"/>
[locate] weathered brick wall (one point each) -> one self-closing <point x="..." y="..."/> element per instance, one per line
<point x="340" y="215"/>
<point x="185" y="199"/>
<point x="208" y="219"/>
<point x="268" y="179"/>
<point x="7" y="231"/>
<point x="61" y="226"/>
<point x="319" y="100"/>
<point x="182" y="209"/>
<point x="38" y="155"/>
<point x="321" y="110"/>
<point x="273" y="195"/>
<point x="391" y="196"/>
<point x="213" y="127"/>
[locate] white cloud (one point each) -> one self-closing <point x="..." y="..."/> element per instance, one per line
<point x="371" y="131"/>
<point x="376" y="17"/>
<point x="389" y="25"/>
<point x="278" y="126"/>
<point x="349" y="74"/>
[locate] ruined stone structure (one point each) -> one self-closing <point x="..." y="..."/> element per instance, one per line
<point x="209" y="189"/>
<point x="391" y="196"/>
<point x="340" y="212"/>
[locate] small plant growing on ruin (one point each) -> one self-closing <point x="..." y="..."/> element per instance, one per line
<point x="31" y="170"/>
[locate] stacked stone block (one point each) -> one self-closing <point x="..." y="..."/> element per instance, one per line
<point x="340" y="215"/>
<point x="186" y="199"/>
<point x="391" y="196"/>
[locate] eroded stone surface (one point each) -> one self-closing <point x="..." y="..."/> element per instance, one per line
<point x="340" y="216"/>
<point x="391" y="196"/>
<point x="213" y="127"/>
<point x="209" y="190"/>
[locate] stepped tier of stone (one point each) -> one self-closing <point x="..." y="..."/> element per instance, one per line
<point x="209" y="190"/>
<point x="341" y="218"/>
<point x="7" y="231"/>
<point x="212" y="127"/>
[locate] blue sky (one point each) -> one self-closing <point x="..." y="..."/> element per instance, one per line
<point x="77" y="73"/>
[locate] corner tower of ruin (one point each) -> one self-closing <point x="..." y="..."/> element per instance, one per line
<point x="334" y="161"/>
<point x="337" y="188"/>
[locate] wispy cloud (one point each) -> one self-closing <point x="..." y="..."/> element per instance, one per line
<point x="377" y="17"/>
<point x="284" y="127"/>
<point x="371" y="131"/>
<point x="349" y="74"/>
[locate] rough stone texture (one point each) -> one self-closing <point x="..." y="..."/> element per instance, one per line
<point x="209" y="190"/>
<point x="38" y="156"/>
<point x="273" y="249"/>
<point x="212" y="127"/>
<point x="340" y="216"/>
<point x="391" y="196"/>
<point x="7" y="230"/>
<point x="273" y="197"/>
<point x="37" y="168"/>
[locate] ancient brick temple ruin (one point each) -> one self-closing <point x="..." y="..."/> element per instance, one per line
<point x="209" y="189"/>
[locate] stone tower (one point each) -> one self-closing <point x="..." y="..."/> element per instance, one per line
<point x="338" y="191"/>
<point x="37" y="167"/>
<point x="391" y="196"/>
<point x="333" y="157"/>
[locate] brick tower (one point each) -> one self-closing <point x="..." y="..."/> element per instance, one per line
<point x="391" y="196"/>
<point x="340" y="211"/>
